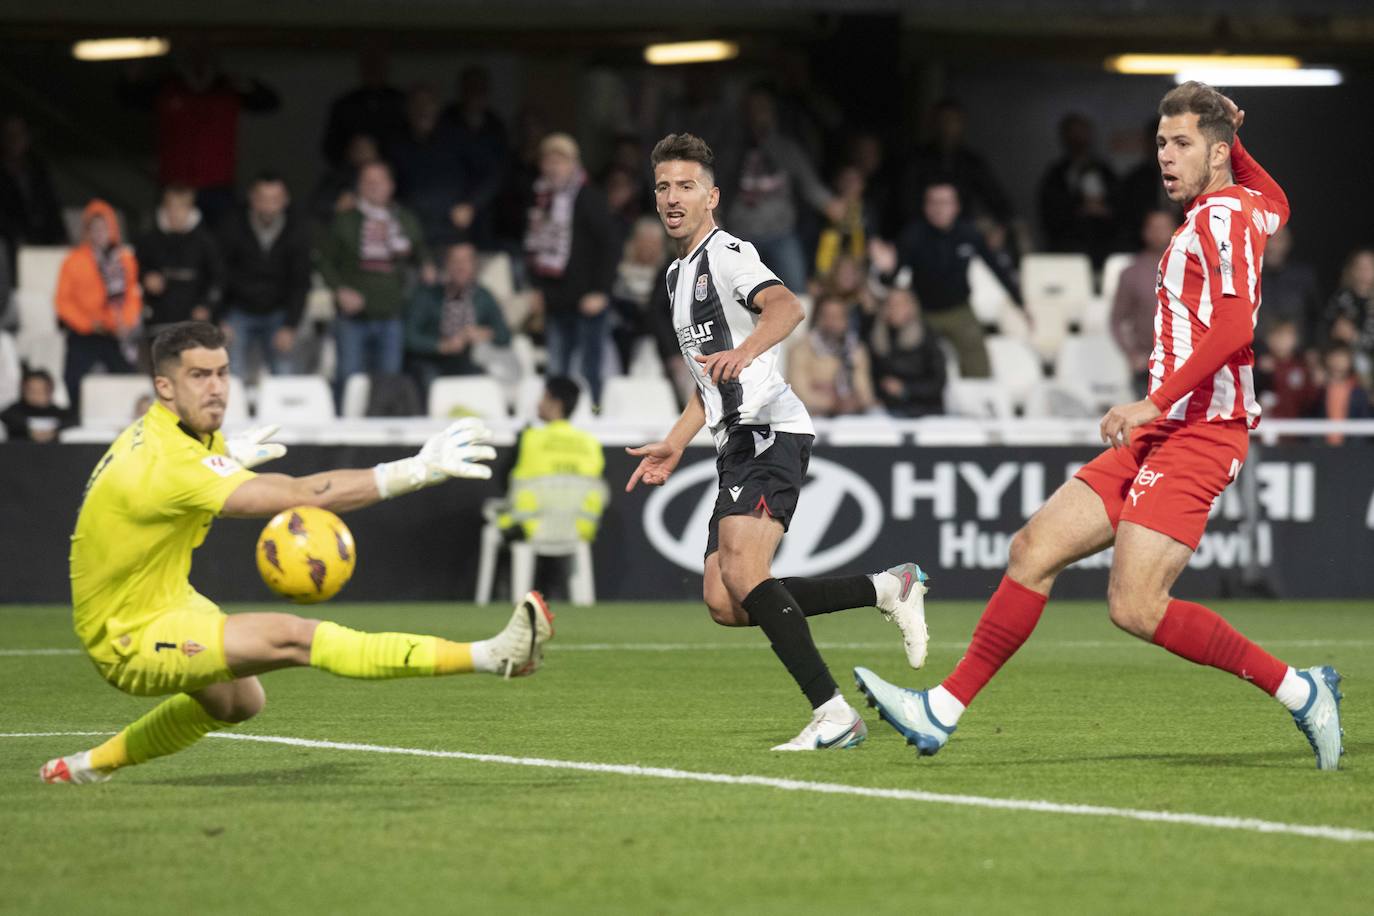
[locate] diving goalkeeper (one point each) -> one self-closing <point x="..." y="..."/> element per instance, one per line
<point x="149" y="503"/>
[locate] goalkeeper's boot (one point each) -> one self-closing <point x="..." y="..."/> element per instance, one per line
<point x="75" y="769"/>
<point x="908" y="711"/>
<point x="834" y="726"/>
<point x="518" y="650"/>
<point x="1320" y="719"/>
<point x="908" y="611"/>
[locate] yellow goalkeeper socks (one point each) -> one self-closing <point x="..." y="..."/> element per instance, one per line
<point x="350" y="653"/>
<point x="171" y="726"/>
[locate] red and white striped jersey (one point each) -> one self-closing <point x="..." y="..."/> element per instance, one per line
<point x="1213" y="262"/>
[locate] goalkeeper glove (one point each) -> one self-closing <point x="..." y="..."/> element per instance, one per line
<point x="455" y="452"/>
<point x="251" y="449"/>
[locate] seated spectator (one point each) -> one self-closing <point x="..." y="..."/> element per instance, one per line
<point x="849" y="233"/>
<point x="1077" y="194"/>
<point x="572" y="260"/>
<point x="365" y="259"/>
<point x="449" y="324"/>
<point x="1342" y="397"/>
<point x="847" y="279"/>
<point x="179" y="264"/>
<point x="829" y="368"/>
<point x="1350" y="313"/>
<point x="266" y="278"/>
<point x="1290" y="290"/>
<point x="29" y="211"/>
<point x="430" y="177"/>
<point x="34" y="417"/>
<point x="932" y="256"/>
<point x="638" y="275"/>
<point x="908" y="364"/>
<point x="1287" y="385"/>
<point x="98" y="301"/>
<point x="1132" y="320"/>
<point x="337" y="190"/>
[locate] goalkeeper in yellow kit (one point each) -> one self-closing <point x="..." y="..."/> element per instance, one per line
<point x="149" y="503"/>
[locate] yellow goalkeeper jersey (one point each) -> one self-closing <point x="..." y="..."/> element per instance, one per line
<point x="148" y="504"/>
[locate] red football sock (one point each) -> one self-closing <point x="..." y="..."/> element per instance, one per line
<point x="1200" y="635"/>
<point x="1010" y="617"/>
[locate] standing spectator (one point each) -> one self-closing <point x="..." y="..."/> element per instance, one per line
<point x="1290" y="290"/>
<point x="179" y="264"/>
<point x="375" y="108"/>
<point x="337" y="190"/>
<point x="771" y="169"/>
<point x="266" y="277"/>
<point x="1077" y="194"/>
<point x="1132" y="319"/>
<point x="29" y="212"/>
<point x="1142" y="192"/>
<point x="1287" y="385"/>
<point x="908" y="364"/>
<point x="933" y="254"/>
<point x="197" y="109"/>
<point x="867" y="154"/>
<point x="510" y="209"/>
<point x="829" y="368"/>
<point x="430" y="178"/>
<point x="98" y="300"/>
<point x="365" y="259"/>
<point x="448" y="324"/>
<point x="34" y="417"/>
<point x="1350" y="314"/>
<point x="482" y="145"/>
<point x="1343" y="397"/>
<point x="946" y="156"/>
<point x="849" y="233"/>
<point x="637" y="277"/>
<point x="572" y="260"/>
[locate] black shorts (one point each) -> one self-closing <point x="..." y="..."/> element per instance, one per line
<point x="760" y="471"/>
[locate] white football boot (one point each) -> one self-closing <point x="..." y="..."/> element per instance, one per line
<point x="834" y="726"/>
<point x="906" y="607"/>
<point x="518" y="650"/>
<point x="75" y="769"/>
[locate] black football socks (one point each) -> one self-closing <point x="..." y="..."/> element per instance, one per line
<point x="826" y="596"/>
<point x="772" y="607"/>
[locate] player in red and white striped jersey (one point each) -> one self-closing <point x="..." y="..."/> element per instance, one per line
<point x="1171" y="454"/>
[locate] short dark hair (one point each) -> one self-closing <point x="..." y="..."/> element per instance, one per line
<point x="267" y="176"/>
<point x="1213" y="117"/>
<point x="565" y="391"/>
<point x="182" y="336"/>
<point x="684" y="148"/>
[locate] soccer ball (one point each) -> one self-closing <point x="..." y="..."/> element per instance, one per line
<point x="306" y="554"/>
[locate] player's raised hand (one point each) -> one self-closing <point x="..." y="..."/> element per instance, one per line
<point x="1116" y="426"/>
<point x="658" y="460"/>
<point x="459" y="450"/>
<point x="1234" y="110"/>
<point x="725" y="366"/>
<point x="251" y="448"/>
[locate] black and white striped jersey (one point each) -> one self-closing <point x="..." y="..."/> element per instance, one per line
<point x="712" y="293"/>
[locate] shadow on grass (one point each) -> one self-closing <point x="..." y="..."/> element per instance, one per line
<point x="315" y="774"/>
<point x="1262" y="760"/>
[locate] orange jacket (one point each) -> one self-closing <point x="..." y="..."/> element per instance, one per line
<point x="82" y="304"/>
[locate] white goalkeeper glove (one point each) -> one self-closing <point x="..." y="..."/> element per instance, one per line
<point x="251" y="449"/>
<point x="455" y="452"/>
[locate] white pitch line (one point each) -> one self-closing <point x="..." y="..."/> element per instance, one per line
<point x="1248" y="824"/>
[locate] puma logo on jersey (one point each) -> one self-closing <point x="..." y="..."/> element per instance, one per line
<point x="696" y="335"/>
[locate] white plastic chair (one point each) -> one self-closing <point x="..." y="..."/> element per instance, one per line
<point x="357" y="388"/>
<point x="11" y="370"/>
<point x="1098" y="314"/>
<point x="112" y="398"/>
<point x="987" y="295"/>
<point x="494" y="272"/>
<point x="983" y="398"/>
<point x="466" y="395"/>
<point x="1015" y="366"/>
<point x="1056" y="289"/>
<point x="1095" y="369"/>
<point x="649" y="400"/>
<point x="531" y="390"/>
<point x="303" y="400"/>
<point x="237" y="411"/>
<point x="561" y="500"/>
<point x="38" y="268"/>
<point x="645" y="361"/>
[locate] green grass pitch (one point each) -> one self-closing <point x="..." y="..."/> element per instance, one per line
<point x="1084" y="714"/>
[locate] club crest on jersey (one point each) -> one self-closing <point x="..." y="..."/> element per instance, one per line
<point x="696" y="335"/>
<point x="702" y="281"/>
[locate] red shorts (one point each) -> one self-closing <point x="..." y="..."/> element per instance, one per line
<point x="1169" y="475"/>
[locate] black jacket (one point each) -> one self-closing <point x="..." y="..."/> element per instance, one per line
<point x="939" y="263"/>
<point x="262" y="282"/>
<point x="189" y="263"/>
<point x="920" y="369"/>
<point x="593" y="259"/>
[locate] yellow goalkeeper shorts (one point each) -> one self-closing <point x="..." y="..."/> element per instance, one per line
<point x="179" y="651"/>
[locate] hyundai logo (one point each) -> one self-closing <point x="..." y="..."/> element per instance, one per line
<point x="825" y="491"/>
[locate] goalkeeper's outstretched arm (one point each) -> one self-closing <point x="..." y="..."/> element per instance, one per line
<point x="456" y="452"/>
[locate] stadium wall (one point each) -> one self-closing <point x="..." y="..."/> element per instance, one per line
<point x="951" y="509"/>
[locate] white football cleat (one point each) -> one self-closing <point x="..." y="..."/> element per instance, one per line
<point x="518" y="650"/>
<point x="829" y="730"/>
<point x="75" y="769"/>
<point x="908" y="611"/>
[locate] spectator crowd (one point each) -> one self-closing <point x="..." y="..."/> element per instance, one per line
<point x="416" y="193"/>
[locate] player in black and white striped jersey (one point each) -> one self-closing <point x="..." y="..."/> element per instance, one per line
<point x="731" y="313"/>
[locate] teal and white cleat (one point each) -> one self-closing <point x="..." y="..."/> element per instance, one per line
<point x="908" y="611"/>
<point x="908" y="711"/>
<point x="1320" y="719"/>
<point x="829" y="732"/>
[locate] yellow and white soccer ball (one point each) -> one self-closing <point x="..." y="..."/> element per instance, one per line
<point x="306" y="554"/>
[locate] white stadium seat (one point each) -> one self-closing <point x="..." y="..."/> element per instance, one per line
<point x="1056" y="289"/>
<point x="1095" y="320"/>
<point x="357" y="388"/>
<point x="236" y="413"/>
<point x="111" y="399"/>
<point x="302" y="400"/>
<point x="1095" y="370"/>
<point x="454" y="396"/>
<point x="531" y="390"/>
<point x="631" y="400"/>
<point x="987" y="295"/>
<point x="1015" y="366"/>
<point x="10" y="370"/>
<point x="38" y="268"/>
<point x="983" y="398"/>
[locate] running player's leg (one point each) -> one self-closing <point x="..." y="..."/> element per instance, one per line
<point x="817" y="595"/>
